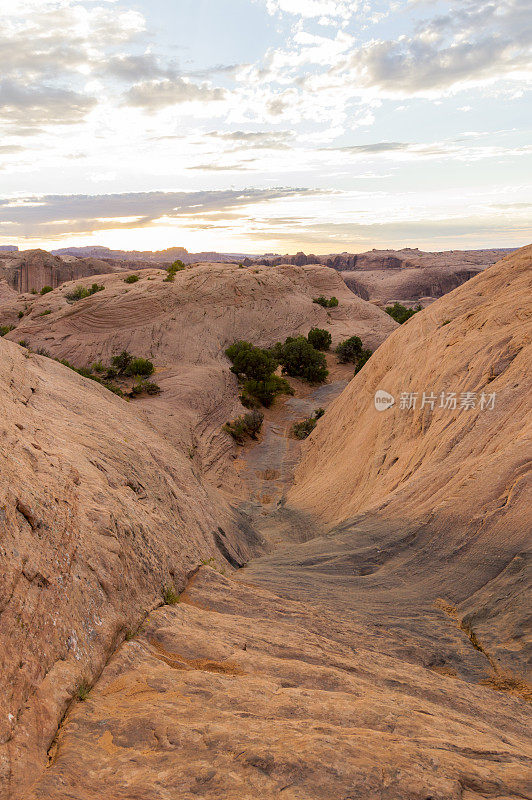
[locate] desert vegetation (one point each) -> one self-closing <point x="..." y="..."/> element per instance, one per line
<point x="352" y="351"/>
<point x="255" y="368"/>
<point x="319" y="338"/>
<point x="300" y="430"/>
<point x="299" y="359"/>
<point x="81" y="292"/>
<point x="332" y="302"/>
<point x="46" y="289"/>
<point x="246" y="426"/>
<point x="131" y="279"/>
<point x="401" y="313"/>
<point x="173" y="269"/>
<point x="6" y="329"/>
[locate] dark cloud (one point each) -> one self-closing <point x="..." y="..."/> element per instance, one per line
<point x="53" y="215"/>
<point x="153" y="95"/>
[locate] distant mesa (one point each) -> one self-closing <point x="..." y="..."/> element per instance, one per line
<point x="8" y="248"/>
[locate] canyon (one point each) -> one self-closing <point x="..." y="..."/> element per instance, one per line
<point x="352" y="609"/>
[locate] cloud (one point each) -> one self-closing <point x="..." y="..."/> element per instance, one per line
<point x="268" y="140"/>
<point x="55" y="215"/>
<point x="480" y="41"/>
<point x="42" y="104"/>
<point x="326" y="9"/>
<point x="154" y="95"/>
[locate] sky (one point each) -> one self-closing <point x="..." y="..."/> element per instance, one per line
<point x="254" y="126"/>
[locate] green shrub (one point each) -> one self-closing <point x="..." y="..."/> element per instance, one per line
<point x="300" y="360"/>
<point x="45" y="313"/>
<point x="265" y="391"/>
<point x="247" y="425"/>
<point x="322" y="301"/>
<point x="98" y="367"/>
<point x="400" y="313"/>
<point x="141" y="387"/>
<point x="304" y="428"/>
<point x="251" y="362"/>
<point x="174" y="268"/>
<point x="20" y="314"/>
<point x="34" y="291"/>
<point x="131" y="279"/>
<point x="6" y="329"/>
<point x="46" y="289"/>
<point x="139" y="366"/>
<point x="319" y="338"/>
<point x="23" y="343"/>
<point x="349" y="350"/>
<point x="121" y="362"/>
<point x="81" y="292"/>
<point x="365" y="355"/>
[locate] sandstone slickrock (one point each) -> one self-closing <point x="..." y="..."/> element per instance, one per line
<point x="382" y="659"/>
<point x="97" y="513"/>
<point x="184" y="326"/>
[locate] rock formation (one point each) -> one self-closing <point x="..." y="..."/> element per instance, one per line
<point x="31" y="270"/>
<point x="408" y="276"/>
<point x="383" y="656"/>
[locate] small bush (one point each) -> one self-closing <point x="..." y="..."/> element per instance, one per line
<point x="98" y="367"/>
<point x="170" y="596"/>
<point x="139" y="366"/>
<point x="300" y="359"/>
<point x="319" y="338"/>
<point x="147" y="387"/>
<point x="20" y="314"/>
<point x="322" y="301"/>
<point x="45" y="313"/>
<point x="248" y="425"/>
<point x="173" y="269"/>
<point x="23" y="343"/>
<point x="121" y="362"/>
<point x="304" y="428"/>
<point x="6" y="329"/>
<point x="349" y="350"/>
<point x="131" y="279"/>
<point x="42" y="351"/>
<point x="81" y="292"/>
<point x="46" y="289"/>
<point x="400" y="313"/>
<point x="34" y="291"/>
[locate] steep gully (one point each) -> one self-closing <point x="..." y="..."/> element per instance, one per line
<point x="239" y="693"/>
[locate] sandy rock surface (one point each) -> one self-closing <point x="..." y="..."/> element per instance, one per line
<point x="184" y="327"/>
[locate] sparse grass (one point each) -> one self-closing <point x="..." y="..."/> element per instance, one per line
<point x="45" y="313"/>
<point x="170" y="596"/>
<point x="445" y="322"/>
<point x="6" y="329"/>
<point x="83" y="690"/>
